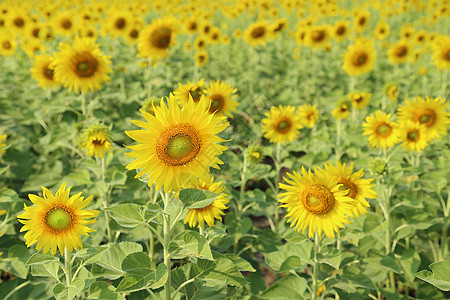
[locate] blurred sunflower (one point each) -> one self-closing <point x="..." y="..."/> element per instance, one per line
<point x="32" y="47"/>
<point x="361" y="20"/>
<point x="420" y="38"/>
<point x="382" y="132"/>
<point x="57" y="221"/>
<point x="279" y="25"/>
<point x="406" y="32"/>
<point x="156" y="39"/>
<point x="316" y="201"/>
<point x="222" y="97"/>
<point x="340" y="30"/>
<point x="201" y="58"/>
<point x="185" y="91"/>
<point x="117" y="23"/>
<point x="257" y="33"/>
<point x="191" y="25"/>
<point x="413" y="136"/>
<point x="42" y="72"/>
<point x="359" y="100"/>
<point x="399" y="52"/>
<point x="342" y="111"/>
<point x="308" y="115"/>
<point x="81" y="66"/>
<point x="96" y="140"/>
<point x="432" y="113"/>
<point x="214" y="210"/>
<point x="8" y="44"/>
<point x="359" y="58"/>
<point x="281" y="124"/>
<point x="133" y="32"/>
<point x="18" y="20"/>
<point x="64" y="23"/>
<point x="382" y="30"/>
<point x="318" y="36"/>
<point x="358" y="189"/>
<point x="177" y="144"/>
<point x="2" y="144"/>
<point x="391" y="91"/>
<point x="441" y="53"/>
<point x="200" y="43"/>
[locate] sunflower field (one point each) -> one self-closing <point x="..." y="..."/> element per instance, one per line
<point x="230" y="149"/>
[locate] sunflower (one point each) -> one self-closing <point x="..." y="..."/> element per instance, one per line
<point x="132" y="34"/>
<point x="413" y="136"/>
<point x="316" y="201"/>
<point x="42" y="72"/>
<point x="81" y="66"/>
<point x="237" y="33"/>
<point x="361" y="20"/>
<point x="399" y="52"/>
<point x="318" y="36"/>
<point x="191" y="25"/>
<point x="391" y="91"/>
<point x="57" y="221"/>
<point x="222" y="97"/>
<point x="177" y="144"/>
<point x="279" y="25"/>
<point x="205" y="27"/>
<point x="200" y="43"/>
<point x="215" y="36"/>
<point x="358" y="189"/>
<point x="432" y="113"/>
<point x="33" y="47"/>
<point x="340" y="30"/>
<point x="2" y="144"/>
<point x="359" y="100"/>
<point x="382" y="30"/>
<point x="33" y="31"/>
<point x="343" y="110"/>
<point x="18" y="20"/>
<point x="117" y="23"/>
<point x="64" y="23"/>
<point x="406" y="32"/>
<point x="359" y="58"/>
<point x="185" y="91"/>
<point x="201" y="58"/>
<point x="420" y="38"/>
<point x="8" y="45"/>
<point x="96" y="140"/>
<point x="257" y="33"/>
<point x="254" y="154"/>
<point x="212" y="211"/>
<point x="441" y="53"/>
<point x="156" y="39"/>
<point x="308" y="114"/>
<point x="382" y="132"/>
<point x="281" y="124"/>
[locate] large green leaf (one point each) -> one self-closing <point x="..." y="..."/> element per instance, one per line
<point x="102" y="290"/>
<point x="194" y="245"/>
<point x="38" y="259"/>
<point x="46" y="270"/>
<point x="127" y="215"/>
<point x="287" y="287"/>
<point x="223" y="272"/>
<point x="439" y="275"/>
<point x="111" y="260"/>
<point x="63" y="292"/>
<point x="194" y="198"/>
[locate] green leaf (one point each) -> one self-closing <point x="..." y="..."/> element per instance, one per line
<point x="14" y="266"/>
<point x="38" y="259"/>
<point x="223" y="272"/>
<point x="46" y="270"/>
<point x="439" y="277"/>
<point x="292" y="262"/>
<point x="111" y="260"/>
<point x="382" y="262"/>
<point x="359" y="280"/>
<point x="91" y="254"/>
<point x="287" y="287"/>
<point x="194" y="198"/>
<point x="160" y="278"/>
<point x="63" y="292"/>
<point x="127" y="215"/>
<point x="240" y="263"/>
<point x="102" y="290"/>
<point x="195" y="245"/>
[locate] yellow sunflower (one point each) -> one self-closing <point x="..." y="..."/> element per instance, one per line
<point x="42" y="72"/>
<point x="316" y="201"/>
<point x="257" y="33"/>
<point x="406" y="32"/>
<point x="184" y="91"/>
<point x="191" y="25"/>
<point x="282" y="124"/>
<point x="399" y="52"/>
<point x="391" y="91"/>
<point x="413" y="136"/>
<point x="441" y="53"/>
<point x="8" y="44"/>
<point x="214" y="210"/>
<point x="64" y="23"/>
<point x="308" y="114"/>
<point x="96" y="140"/>
<point x="340" y="30"/>
<point x="18" y="20"/>
<point x="2" y="144"/>
<point x="317" y="36"/>
<point x="382" y="132"/>
<point x="382" y="30"/>
<point x="222" y="97"/>
<point x="81" y="66"/>
<point x="201" y="58"/>
<point x="359" y="58"/>
<point x="432" y="113"/>
<point x="420" y="38"/>
<point x="342" y="111"/>
<point x="359" y="100"/>
<point x="361" y="20"/>
<point x="57" y="221"/>
<point x="156" y="39"/>
<point x="117" y="22"/>
<point x="177" y="144"/>
<point x="358" y="189"/>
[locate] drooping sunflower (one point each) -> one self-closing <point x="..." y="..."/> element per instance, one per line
<point x="8" y="44"/>
<point x="317" y="36"/>
<point x="358" y="189"/>
<point x="359" y="58"/>
<point x="201" y="58"/>
<point x="282" y="124"/>
<point x="222" y="97"/>
<point x="308" y="115"/>
<point x="399" y="52"/>
<point x="156" y="39"/>
<point x="441" y="53"/>
<point x="316" y="201"/>
<point x="382" y="132"/>
<point x="382" y="30"/>
<point x="177" y="144"/>
<point x="340" y="30"/>
<point x="214" y="210"/>
<point x="432" y="113"/>
<point x="96" y="140"/>
<point x="42" y="72"/>
<point x="279" y="25"/>
<point x="359" y="100"/>
<point x="257" y="33"/>
<point x="184" y="91"/>
<point x="2" y="144"/>
<point x="413" y="136"/>
<point x="81" y="66"/>
<point x="57" y="221"/>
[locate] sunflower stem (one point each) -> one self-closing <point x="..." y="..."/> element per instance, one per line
<point x="278" y="178"/>
<point x="201" y="229"/>
<point x="68" y="267"/>
<point x="315" y="266"/>
<point x="105" y="203"/>
<point x="250" y="67"/>
<point x="166" y="243"/>
<point x="83" y="104"/>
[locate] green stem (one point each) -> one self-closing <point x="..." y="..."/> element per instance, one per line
<point x="315" y="267"/>
<point x="167" y="262"/>
<point x="16" y="289"/>
<point x="105" y="203"/>
<point x="201" y="229"/>
<point x="250" y="67"/>
<point x="444" y="82"/>
<point x="278" y="177"/>
<point x="83" y="105"/>
<point x="338" y="140"/>
<point x="67" y="267"/>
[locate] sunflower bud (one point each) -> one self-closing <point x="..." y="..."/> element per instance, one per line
<point x="378" y="166"/>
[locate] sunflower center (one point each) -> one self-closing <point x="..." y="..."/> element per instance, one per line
<point x="48" y="73"/>
<point x="318" y="35"/>
<point x="178" y="145"/>
<point x="206" y="29"/>
<point x="362" y="21"/>
<point x="340" y="30"/>
<point x="58" y="219"/>
<point x="401" y="51"/>
<point x="35" y="32"/>
<point x="217" y="102"/>
<point x="161" y="38"/>
<point x="413" y="135"/>
<point x="384" y="130"/>
<point x="358" y="98"/>
<point x="19" y="22"/>
<point x="347" y="185"/>
<point x="317" y="199"/>
<point x="120" y="23"/>
<point x="360" y="59"/>
<point x="85" y="64"/>
<point x="134" y="33"/>
<point x="426" y="117"/>
<point x="343" y="107"/>
<point x="6" y="45"/>
<point x="196" y="94"/>
<point x="382" y="30"/>
<point x="98" y="142"/>
<point x="192" y="26"/>
<point x="66" y="24"/>
<point x="283" y="126"/>
<point x="447" y="55"/>
<point x="258" y="32"/>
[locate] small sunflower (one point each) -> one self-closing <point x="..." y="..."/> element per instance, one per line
<point x="200" y="43"/>
<point x="222" y="97"/>
<point x="96" y="140"/>
<point x="413" y="136"/>
<point x="191" y="25"/>
<point x="255" y="154"/>
<point x="359" y="100"/>
<point x="340" y="30"/>
<point x="382" y="30"/>
<point x="391" y="91"/>
<point x="8" y="44"/>
<point x="42" y="72"/>
<point x="316" y="201"/>
<point x="282" y="124"/>
<point x="18" y="20"/>
<point x="358" y="189"/>
<point x="257" y="33"/>
<point x="214" y="210"/>
<point x="177" y="144"/>
<point x="342" y="111"/>
<point x="421" y="37"/>
<point x="2" y="144"/>
<point x="117" y="23"/>
<point x="279" y="25"/>
<point x="201" y="58"/>
<point x="57" y="221"/>
<point x="149" y="105"/>
<point x="81" y="66"/>
<point x="156" y="39"/>
<point x="399" y="52"/>
<point x="406" y="32"/>
<point x="441" y="53"/>
<point x="185" y="91"/>
<point x="382" y="132"/>
<point x="361" y="20"/>
<point x="318" y="36"/>
<point x="359" y="58"/>
<point x="432" y="113"/>
<point x="64" y="23"/>
<point x="308" y="114"/>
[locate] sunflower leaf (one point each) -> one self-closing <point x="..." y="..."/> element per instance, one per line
<point x="127" y="215"/>
<point x="439" y="275"/>
<point x="194" y="245"/>
<point x="39" y="259"/>
<point x="195" y="199"/>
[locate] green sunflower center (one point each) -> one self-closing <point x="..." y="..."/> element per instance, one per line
<point x="384" y="130"/>
<point x="317" y="199"/>
<point x="134" y="33"/>
<point x="426" y="117"/>
<point x="85" y="64"/>
<point x="6" y="45"/>
<point x="48" y="73"/>
<point x="360" y="59"/>
<point x="58" y="219"/>
<point x="413" y="135"/>
<point x="217" y="103"/>
<point x="283" y="126"/>
<point x="179" y="147"/>
<point x="196" y="94"/>
<point x="161" y="37"/>
<point x="447" y="55"/>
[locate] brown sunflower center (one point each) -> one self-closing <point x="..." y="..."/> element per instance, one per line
<point x="383" y="130"/>
<point x="426" y="116"/>
<point x="360" y="59"/>
<point x="401" y="51"/>
<point x="362" y="21"/>
<point x="58" y="218"/>
<point x="349" y="186"/>
<point x="283" y="126"/>
<point x="358" y="98"/>
<point x="178" y="145"/>
<point x="134" y="33"/>
<point x="309" y="115"/>
<point x="196" y="94"/>
<point x="48" y="73"/>
<point x="446" y="55"/>
<point x="201" y="58"/>
<point x="340" y="30"/>
<point x="19" y="22"/>
<point x="413" y="135"/>
<point x="382" y="30"/>
<point x="318" y="35"/>
<point x="206" y="29"/>
<point x="6" y="45"/>
<point x="120" y="23"/>
<point x="343" y="107"/>
<point x="35" y="32"/>
<point x="161" y="37"/>
<point x="192" y="26"/>
<point x="85" y="64"/>
<point x="66" y="24"/>
<point x="98" y="142"/>
<point x="217" y="103"/>
<point x="317" y="199"/>
<point x="258" y="32"/>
